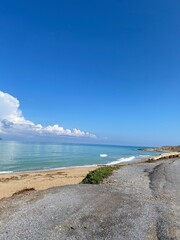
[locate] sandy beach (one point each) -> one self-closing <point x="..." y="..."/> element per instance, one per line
<point x="15" y="182"/>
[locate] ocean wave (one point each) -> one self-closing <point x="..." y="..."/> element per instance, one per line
<point x="6" y="172"/>
<point x="128" y="159"/>
<point x="121" y="160"/>
<point x="103" y="155"/>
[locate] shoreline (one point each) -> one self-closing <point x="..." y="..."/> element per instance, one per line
<point x="116" y="162"/>
<point x="49" y="169"/>
<point x="12" y="183"/>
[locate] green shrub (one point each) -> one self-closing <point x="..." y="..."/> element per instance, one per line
<point x="97" y="176"/>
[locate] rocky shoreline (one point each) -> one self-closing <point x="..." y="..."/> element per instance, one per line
<point x="163" y="156"/>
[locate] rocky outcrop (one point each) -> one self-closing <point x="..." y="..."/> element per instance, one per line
<point x="163" y="156"/>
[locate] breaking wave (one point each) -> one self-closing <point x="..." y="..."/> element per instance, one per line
<point x="103" y="155"/>
<point x="127" y="159"/>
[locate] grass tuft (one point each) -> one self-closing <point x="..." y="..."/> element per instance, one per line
<point x="96" y="176"/>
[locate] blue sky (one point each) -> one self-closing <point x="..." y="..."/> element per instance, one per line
<point x="111" y="68"/>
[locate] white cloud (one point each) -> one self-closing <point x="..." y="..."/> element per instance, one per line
<point x="13" y="122"/>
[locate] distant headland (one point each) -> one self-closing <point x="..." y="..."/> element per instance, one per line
<point x="162" y="149"/>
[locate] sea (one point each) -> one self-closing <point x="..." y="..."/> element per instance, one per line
<point x="22" y="157"/>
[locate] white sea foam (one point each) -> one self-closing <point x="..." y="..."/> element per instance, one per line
<point x="6" y="172"/>
<point x="103" y="155"/>
<point x="127" y="159"/>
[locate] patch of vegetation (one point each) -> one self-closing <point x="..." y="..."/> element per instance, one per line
<point x="96" y="176"/>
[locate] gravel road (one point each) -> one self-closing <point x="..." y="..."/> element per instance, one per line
<point x="138" y="202"/>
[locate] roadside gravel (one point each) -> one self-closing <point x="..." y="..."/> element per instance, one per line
<point x="137" y="202"/>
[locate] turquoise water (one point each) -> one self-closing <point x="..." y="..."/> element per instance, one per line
<point x="17" y="157"/>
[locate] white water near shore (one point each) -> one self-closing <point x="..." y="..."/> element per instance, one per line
<point x="128" y="159"/>
<point x="26" y="157"/>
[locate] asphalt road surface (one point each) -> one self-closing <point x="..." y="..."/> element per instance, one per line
<point x="137" y="202"/>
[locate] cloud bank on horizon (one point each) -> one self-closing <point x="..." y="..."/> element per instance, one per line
<point x="12" y="122"/>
